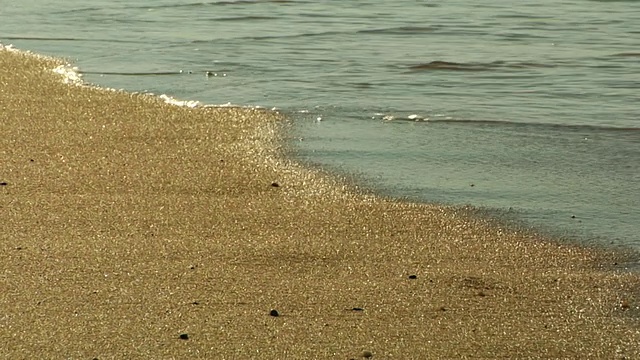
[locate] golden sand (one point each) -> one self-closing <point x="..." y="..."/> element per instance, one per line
<point x="131" y="228"/>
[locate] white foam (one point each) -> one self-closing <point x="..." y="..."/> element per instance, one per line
<point x="71" y="75"/>
<point x="185" y="103"/>
<point x="229" y="105"/>
<point x="8" y="47"/>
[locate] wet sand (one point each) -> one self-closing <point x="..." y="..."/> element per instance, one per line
<point x="131" y="228"/>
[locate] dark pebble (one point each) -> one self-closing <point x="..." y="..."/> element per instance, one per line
<point x="413" y="277"/>
<point x="625" y="305"/>
<point x="4" y="183"/>
<point x="357" y="309"/>
<point x="274" y="313"/>
<point x="184" y="336"/>
<point x="367" y="354"/>
<point x="573" y="216"/>
<point x="195" y="303"/>
<point x="275" y="184"/>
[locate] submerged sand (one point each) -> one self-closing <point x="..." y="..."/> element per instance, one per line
<point x="131" y="228"/>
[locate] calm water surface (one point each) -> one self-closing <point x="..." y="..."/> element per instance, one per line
<point x="530" y="109"/>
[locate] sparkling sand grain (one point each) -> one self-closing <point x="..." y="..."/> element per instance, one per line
<point x="131" y="228"/>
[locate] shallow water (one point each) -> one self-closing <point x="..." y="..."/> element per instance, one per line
<point x="532" y="109"/>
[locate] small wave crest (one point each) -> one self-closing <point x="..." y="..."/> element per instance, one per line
<point x="440" y="118"/>
<point x="70" y="39"/>
<point x="456" y="66"/>
<point x="404" y="30"/>
<point x="627" y="54"/>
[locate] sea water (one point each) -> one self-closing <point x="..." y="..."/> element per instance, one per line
<point x="530" y="110"/>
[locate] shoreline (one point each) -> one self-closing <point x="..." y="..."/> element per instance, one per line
<point x="500" y="217"/>
<point x="129" y="222"/>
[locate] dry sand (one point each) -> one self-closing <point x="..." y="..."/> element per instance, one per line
<point x="127" y="222"/>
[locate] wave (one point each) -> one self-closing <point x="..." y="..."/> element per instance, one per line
<point x="135" y="73"/>
<point x="401" y="30"/>
<point x="176" y="6"/>
<point x="211" y="3"/>
<point x="245" y="18"/>
<point x="273" y="37"/>
<point x="456" y="66"/>
<point x="546" y="125"/>
<point x="627" y="54"/>
<point x="78" y="10"/>
<point x="42" y="38"/>
<point x="473" y="122"/>
<point x="208" y="73"/>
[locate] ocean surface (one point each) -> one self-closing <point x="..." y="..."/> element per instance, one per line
<point x="529" y="110"/>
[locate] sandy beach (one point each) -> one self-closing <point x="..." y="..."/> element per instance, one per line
<point x="132" y="228"/>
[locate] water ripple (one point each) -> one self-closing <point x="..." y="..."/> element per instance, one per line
<point x="72" y="39"/>
<point x="456" y="66"/>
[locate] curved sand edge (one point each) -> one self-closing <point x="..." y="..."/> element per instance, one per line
<point x="127" y="222"/>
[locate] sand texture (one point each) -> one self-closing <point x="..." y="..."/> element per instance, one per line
<point x="130" y="228"/>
